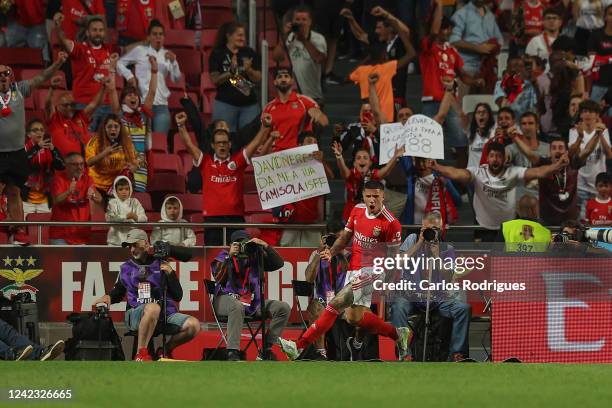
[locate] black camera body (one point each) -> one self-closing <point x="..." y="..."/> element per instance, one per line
<point x="295" y="28"/>
<point x="431" y="234"/>
<point x="164" y="250"/>
<point x="247" y="249"/>
<point x="329" y="239"/>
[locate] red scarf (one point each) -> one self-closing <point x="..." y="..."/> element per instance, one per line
<point x="43" y="160"/>
<point x="512" y="86"/>
<point x="145" y="10"/>
<point x="488" y="68"/>
<point x="441" y="202"/>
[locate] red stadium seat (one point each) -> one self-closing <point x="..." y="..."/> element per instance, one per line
<point x="249" y="183"/>
<point x="179" y="147"/>
<point x="187" y="161"/>
<point x="166" y="183"/>
<point x="178" y="86"/>
<point x="98" y="235"/>
<point x="174" y="101"/>
<point x="159" y="142"/>
<point x="271" y="36"/>
<point x="192" y="203"/>
<point x="207" y="40"/>
<point x="206" y="84"/>
<point x="145" y="200"/>
<point x="180" y="39"/>
<point x="199" y="231"/>
<point x="206" y="4"/>
<point x="265" y="16"/>
<point x="252" y="204"/>
<point x="22" y="57"/>
<point x="34" y="114"/>
<point x="190" y="61"/>
<point x="153" y="216"/>
<point x="33" y="229"/>
<point x="30" y="73"/>
<point x="167" y="163"/>
<point x="212" y="18"/>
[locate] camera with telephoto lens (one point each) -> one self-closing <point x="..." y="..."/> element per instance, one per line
<point x="247" y="249"/>
<point x="601" y="235"/>
<point x="329" y="239"/>
<point x="295" y="28"/>
<point x="563" y="238"/>
<point x="164" y="250"/>
<point x="431" y="234"/>
<point x="101" y="311"/>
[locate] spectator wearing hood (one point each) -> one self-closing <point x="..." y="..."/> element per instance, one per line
<point x="123" y="208"/>
<point x="172" y="211"/>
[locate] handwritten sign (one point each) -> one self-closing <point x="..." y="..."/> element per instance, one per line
<point x="288" y="176"/>
<point x="422" y="137"/>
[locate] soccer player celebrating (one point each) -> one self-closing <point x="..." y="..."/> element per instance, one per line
<point x="375" y="232"/>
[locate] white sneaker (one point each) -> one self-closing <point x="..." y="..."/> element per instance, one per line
<point x="403" y="339"/>
<point x="52" y="352"/>
<point x="289" y="348"/>
<point x="24" y="353"/>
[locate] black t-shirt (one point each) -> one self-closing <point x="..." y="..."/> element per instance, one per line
<point x="220" y="61"/>
<point x="601" y="44"/>
<point x="396" y="52"/>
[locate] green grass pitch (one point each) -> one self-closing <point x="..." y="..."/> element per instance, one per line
<point x="313" y="384"/>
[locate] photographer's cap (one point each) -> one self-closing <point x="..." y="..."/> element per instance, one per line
<point x="239" y="235"/>
<point x="134" y="236"/>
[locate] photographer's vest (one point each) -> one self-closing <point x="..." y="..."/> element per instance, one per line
<point x="522" y="235"/>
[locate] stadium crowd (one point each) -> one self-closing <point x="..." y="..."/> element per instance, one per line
<point x="103" y="127"/>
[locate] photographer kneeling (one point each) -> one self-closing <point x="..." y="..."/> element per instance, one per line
<point x="429" y="245"/>
<point x="237" y="292"/>
<point x="328" y="278"/>
<point x="141" y="278"/>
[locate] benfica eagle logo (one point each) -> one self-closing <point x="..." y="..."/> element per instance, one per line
<point x="19" y="274"/>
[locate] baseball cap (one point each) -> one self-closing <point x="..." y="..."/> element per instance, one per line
<point x="239" y="235"/>
<point x="134" y="236"/>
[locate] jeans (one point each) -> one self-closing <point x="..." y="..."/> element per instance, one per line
<point x="32" y="37"/>
<point x="234" y="310"/>
<point x="407" y="10"/>
<point x="454" y="309"/>
<point x="454" y="136"/>
<point x="161" y="119"/>
<point x="236" y="116"/>
<point x="97" y="118"/>
<point x="12" y="341"/>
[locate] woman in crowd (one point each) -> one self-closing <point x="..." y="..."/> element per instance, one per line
<point x="234" y="69"/>
<point x="109" y="154"/>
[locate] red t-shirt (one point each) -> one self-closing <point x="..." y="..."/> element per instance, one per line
<point x="223" y="184"/>
<point x="88" y="63"/>
<point x="437" y="61"/>
<point x="69" y="135"/>
<point x="287" y="118"/>
<point x="533" y="17"/>
<point x="74" y="208"/>
<point x="599" y="213"/>
<point x="137" y="19"/>
<point x="73" y="10"/>
<point x="372" y="235"/>
<point x="306" y="211"/>
<point x="354" y="184"/>
<point x="30" y="13"/>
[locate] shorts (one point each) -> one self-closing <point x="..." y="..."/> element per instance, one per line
<point x="14" y="167"/>
<point x="362" y="283"/>
<point x="133" y="316"/>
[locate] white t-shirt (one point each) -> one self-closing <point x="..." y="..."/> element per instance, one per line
<point x="307" y="72"/>
<point x="537" y="46"/>
<point x="476" y="146"/>
<point x="495" y="196"/>
<point x="595" y="163"/>
<point x="422" y="188"/>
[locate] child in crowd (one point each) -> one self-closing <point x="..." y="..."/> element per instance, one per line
<point x="599" y="209"/>
<point x="172" y="211"/>
<point x="360" y="173"/>
<point x="123" y="208"/>
<point x="44" y="158"/>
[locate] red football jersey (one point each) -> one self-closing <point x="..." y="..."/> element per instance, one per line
<point x="372" y="235"/>
<point x="599" y="213"/>
<point x="436" y="62"/>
